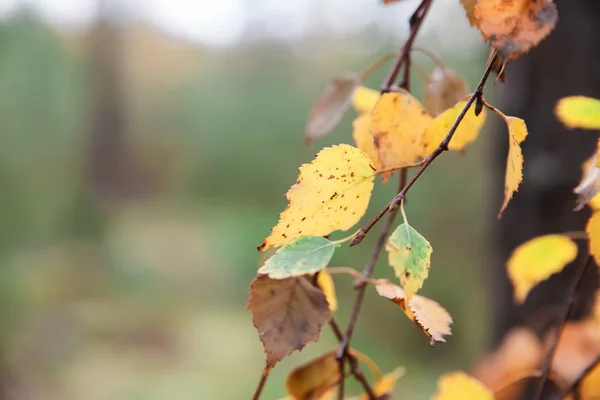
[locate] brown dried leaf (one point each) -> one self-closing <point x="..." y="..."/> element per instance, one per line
<point x="515" y="26"/>
<point x="312" y="380"/>
<point x="590" y="182"/>
<point x="287" y="313"/>
<point x="330" y="106"/>
<point x="432" y="318"/>
<point x="444" y="89"/>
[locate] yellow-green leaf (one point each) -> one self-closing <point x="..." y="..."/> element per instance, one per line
<point x="537" y="259"/>
<point x="312" y="380"/>
<point x="305" y="255"/>
<point x="409" y="253"/>
<point x="460" y="386"/>
<point x="331" y="193"/>
<point x="427" y="314"/>
<point x="399" y="122"/>
<point x="593" y="231"/>
<point x="466" y="132"/>
<point x="579" y="112"/>
<point x="364" y="99"/>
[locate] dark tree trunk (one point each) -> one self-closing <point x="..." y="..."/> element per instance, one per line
<point x="565" y="63"/>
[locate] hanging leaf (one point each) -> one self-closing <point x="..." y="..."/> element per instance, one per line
<point x="363" y="137"/>
<point x="287" y="313"/>
<point x="579" y="112"/>
<point x="331" y="193"/>
<point x="399" y="122"/>
<point x="466" y="132"/>
<point x="460" y="386"/>
<point x="364" y="99"/>
<point x="517" y="132"/>
<point x="593" y="231"/>
<point x="305" y="255"/>
<point x="469" y="6"/>
<point x="330" y="107"/>
<point x="325" y="282"/>
<point x="429" y="316"/>
<point x="589" y="186"/>
<point x="515" y="26"/>
<point x="312" y="380"/>
<point x="409" y="254"/>
<point x="385" y="385"/>
<point x="535" y="260"/>
<point x="444" y="89"/>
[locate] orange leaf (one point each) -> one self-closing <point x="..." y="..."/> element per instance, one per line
<point x="515" y="26"/>
<point x="288" y="313"/>
<point x="312" y="380"/>
<point x="399" y="122"/>
<point x="593" y="231"/>
<point x="385" y="385"/>
<point x="433" y="320"/>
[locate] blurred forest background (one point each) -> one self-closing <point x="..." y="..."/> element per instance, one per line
<point x="145" y="148"/>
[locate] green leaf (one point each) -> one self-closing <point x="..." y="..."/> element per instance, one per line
<point x="303" y="256"/>
<point x="579" y="112"/>
<point x="410" y="256"/>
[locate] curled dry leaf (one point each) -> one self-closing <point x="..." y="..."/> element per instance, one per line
<point x="536" y="260"/>
<point x="409" y="253"/>
<point x="467" y="130"/>
<point x="593" y="231"/>
<point x="515" y="26"/>
<point x="519" y="353"/>
<point x="460" y="386"/>
<point x="287" y="313"/>
<point x="314" y="379"/>
<point x="330" y="107"/>
<point x="399" y="122"/>
<point x="305" y="255"/>
<point x="589" y="186"/>
<point x="363" y="137"/>
<point x="579" y="112"/>
<point x="444" y="89"/>
<point x="385" y="385"/>
<point x="325" y="282"/>
<point x="432" y="318"/>
<point x="364" y="99"/>
<point x="331" y="193"/>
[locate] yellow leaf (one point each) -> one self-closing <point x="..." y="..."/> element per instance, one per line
<point x="589" y="388"/>
<point x="363" y="137"/>
<point x="330" y="107"/>
<point x="593" y="231"/>
<point x="579" y="112"/>
<point x="312" y="380"/>
<point x="386" y="384"/>
<point x="460" y="386"/>
<point x="537" y="259"/>
<point x="513" y="27"/>
<point x="444" y="88"/>
<point x="399" y="122"/>
<point x="326" y="284"/>
<point x="364" y="99"/>
<point x="466" y="132"/>
<point x="331" y="193"/>
<point x="432" y="318"/>
<point x="517" y="132"/>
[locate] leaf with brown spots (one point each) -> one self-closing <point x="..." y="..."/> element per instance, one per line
<point x="427" y="314"/>
<point x="331" y="106"/>
<point x="312" y="380"/>
<point x="331" y="193"/>
<point x="287" y="313"/>
<point x="398" y="124"/>
<point x="363" y="137"/>
<point x="513" y="27"/>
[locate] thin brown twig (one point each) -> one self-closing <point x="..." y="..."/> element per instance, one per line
<point x="565" y="311"/>
<point x="415" y="24"/>
<point x="575" y="384"/>
<point x="443" y="146"/>
<point x="261" y="383"/>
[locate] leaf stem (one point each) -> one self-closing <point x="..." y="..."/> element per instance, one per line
<point x="566" y="309"/>
<point x="394" y="169"/>
<point x="443" y="146"/>
<point x="261" y="383"/>
<point x="375" y="65"/>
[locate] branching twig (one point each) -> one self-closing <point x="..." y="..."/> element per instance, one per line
<point x="575" y="384"/>
<point x="566" y="309"/>
<point x="443" y="146"/>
